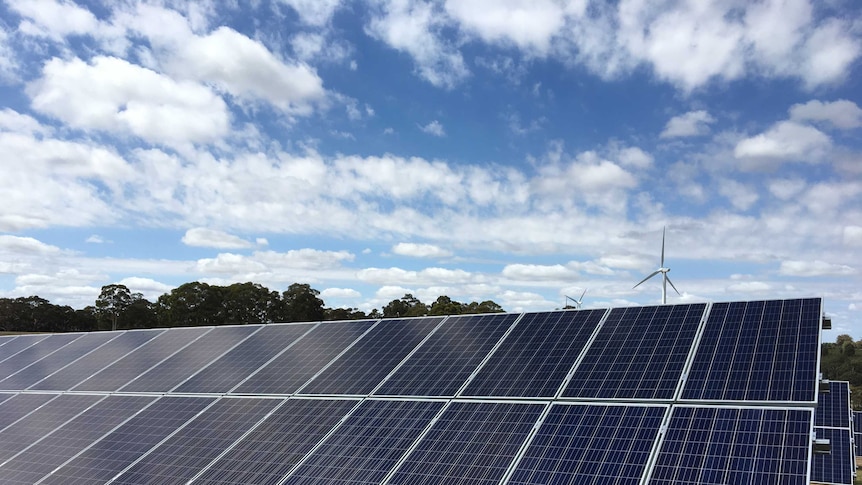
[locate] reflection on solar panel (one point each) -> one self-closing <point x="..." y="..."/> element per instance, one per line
<point x="833" y="407"/>
<point x="35" y="352"/>
<point x="35" y="372"/>
<point x="758" y="351"/>
<point x="441" y="365"/>
<point x="718" y="445"/>
<point x="639" y="353"/>
<point x="181" y="457"/>
<point x="180" y="366"/>
<point x="537" y="354"/>
<point x="119" y="449"/>
<point x="69" y="376"/>
<point x="269" y="452"/>
<point x="38" y="460"/>
<point x="42" y="421"/>
<point x="839" y="464"/>
<point x="591" y="444"/>
<point x="369" y="443"/>
<point x="472" y="442"/>
<point x="290" y="370"/>
<point x="373" y="357"/>
<point x="225" y="373"/>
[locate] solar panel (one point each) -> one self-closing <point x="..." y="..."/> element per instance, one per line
<point x="591" y="444"/>
<point x="184" y="454"/>
<point x="857" y="432"/>
<point x="71" y="375"/>
<point x="120" y="448"/>
<point x="18" y="344"/>
<point x="33" y="353"/>
<point x="290" y="370"/>
<point x="536" y="355"/>
<point x="720" y="445"/>
<point x="833" y="407"/>
<point x="230" y="369"/>
<point x="472" y="442"/>
<point x="20" y="405"/>
<point x="37" y="371"/>
<point x="368" y="444"/>
<point x="190" y="359"/>
<point x="758" y="351"/>
<point x="270" y="451"/>
<point x="36" y="461"/>
<point x="121" y="372"/>
<point x="442" y="364"/>
<point x="373" y="357"/>
<point x="839" y="465"/>
<point x="639" y="353"/>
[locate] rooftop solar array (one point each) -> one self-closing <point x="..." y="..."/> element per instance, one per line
<point x="833" y="421"/>
<point x="693" y="393"/>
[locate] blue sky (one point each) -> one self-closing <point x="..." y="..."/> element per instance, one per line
<point x="512" y="150"/>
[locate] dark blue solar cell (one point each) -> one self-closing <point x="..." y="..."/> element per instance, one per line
<point x="591" y="444"/>
<point x="639" y="353"/>
<point x="857" y="432"/>
<point x="364" y="366"/>
<point x="714" y="445"/>
<point x="119" y="449"/>
<point x="255" y="351"/>
<point x="40" y="459"/>
<point x="197" y="444"/>
<point x="471" y="442"/>
<point x="40" y="369"/>
<point x="69" y="376"/>
<point x="18" y="344"/>
<point x="20" y="405"/>
<point x="368" y="444"/>
<point x="758" y="351"/>
<point x="35" y="352"/>
<point x="41" y="422"/>
<point x="536" y="355"/>
<point x="442" y="364"/>
<point x="190" y="359"/>
<point x="290" y="370"/>
<point x="839" y="465"/>
<point x="141" y="359"/>
<point x="269" y="452"/>
<point x="833" y="407"/>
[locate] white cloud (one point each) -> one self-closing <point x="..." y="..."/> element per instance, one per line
<point x="211" y="238"/>
<point x="693" y="123"/>
<point x="96" y="239"/>
<point x="853" y="236"/>
<point x="314" y="12"/>
<point x="814" y="268"/>
<point x="232" y="264"/>
<point x="420" y="250"/>
<point x="339" y="293"/>
<point x="635" y="157"/>
<point x="15" y="122"/>
<point x="785" y="141"/>
<point x="17" y="245"/>
<point x="111" y="94"/>
<point x="150" y="288"/>
<point x="425" y="277"/>
<point x="528" y="24"/>
<point x="786" y="189"/>
<point x="842" y="114"/>
<point x="54" y="19"/>
<point x="535" y="272"/>
<point x="741" y="196"/>
<point x="8" y="58"/>
<point x="750" y="287"/>
<point x="434" y="128"/>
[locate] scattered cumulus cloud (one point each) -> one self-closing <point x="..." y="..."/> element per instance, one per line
<point x="342" y="293"/>
<point x="693" y="123"/>
<point x="211" y="238"/>
<point x="841" y="114"/>
<point x="434" y="128"/>
<point x="420" y="250"/>
<point x="786" y="141"/>
<point x="814" y="268"/>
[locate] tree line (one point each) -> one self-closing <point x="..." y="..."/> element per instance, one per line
<point x="202" y="304"/>
<point x="842" y="361"/>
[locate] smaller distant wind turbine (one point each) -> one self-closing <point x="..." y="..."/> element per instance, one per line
<point x="577" y="302"/>
<point x="664" y="271"/>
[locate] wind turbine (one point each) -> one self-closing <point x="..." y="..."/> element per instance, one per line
<point x="577" y="302"/>
<point x="665" y="280"/>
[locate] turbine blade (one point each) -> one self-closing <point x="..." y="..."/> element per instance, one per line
<point x="671" y="285"/>
<point x="582" y="295"/>
<point x="648" y="277"/>
<point x="663" y="230"/>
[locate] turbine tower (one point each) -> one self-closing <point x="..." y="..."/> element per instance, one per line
<point x="665" y="280"/>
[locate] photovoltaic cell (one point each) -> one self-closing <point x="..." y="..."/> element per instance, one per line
<point x="591" y="445"/>
<point x="35" y="352"/>
<point x="857" y="432"/>
<point x="20" y="405"/>
<point x="138" y="361"/>
<point x="720" y="445"/>
<point x="472" y="442"/>
<point x="229" y="370"/>
<point x="37" y="371"/>
<point x="442" y="364"/>
<point x="639" y="353"/>
<point x="71" y="375"/>
<point x="833" y="407"/>
<point x="190" y="359"/>
<point x="758" y="351"/>
<point x="373" y="357"/>
<point x="41" y="422"/>
<point x="368" y="444"/>
<point x="40" y="459"/>
<point x="18" y="344"/>
<point x="119" y="449"/>
<point x="839" y="464"/>
<point x="186" y="453"/>
<point x="536" y="356"/>
<point x="290" y="370"/>
<point x="268" y="453"/>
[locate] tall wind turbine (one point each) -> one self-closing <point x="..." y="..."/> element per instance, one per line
<point x="577" y="302"/>
<point x="664" y="278"/>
